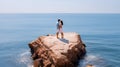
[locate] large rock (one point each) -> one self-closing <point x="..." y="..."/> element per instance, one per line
<point x="48" y="51"/>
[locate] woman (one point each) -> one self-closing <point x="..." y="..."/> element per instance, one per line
<point x="59" y="28"/>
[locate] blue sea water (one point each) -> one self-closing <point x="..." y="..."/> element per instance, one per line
<point x="100" y="33"/>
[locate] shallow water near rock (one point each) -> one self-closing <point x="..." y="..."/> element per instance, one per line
<point x="100" y="33"/>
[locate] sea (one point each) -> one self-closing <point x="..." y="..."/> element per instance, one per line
<point x="100" y="33"/>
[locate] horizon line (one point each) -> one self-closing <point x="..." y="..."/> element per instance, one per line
<point x="59" y="13"/>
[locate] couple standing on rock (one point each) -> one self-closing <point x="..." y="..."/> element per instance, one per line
<point x="59" y="28"/>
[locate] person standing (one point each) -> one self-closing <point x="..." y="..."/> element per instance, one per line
<point x="59" y="28"/>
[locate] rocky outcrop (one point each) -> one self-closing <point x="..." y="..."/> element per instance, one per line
<point x="48" y="51"/>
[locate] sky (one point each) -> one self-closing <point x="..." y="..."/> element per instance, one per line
<point x="59" y="6"/>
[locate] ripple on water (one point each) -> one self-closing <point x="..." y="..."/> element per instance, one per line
<point x="97" y="61"/>
<point x="24" y="59"/>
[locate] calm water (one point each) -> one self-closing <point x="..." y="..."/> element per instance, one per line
<point x="100" y="33"/>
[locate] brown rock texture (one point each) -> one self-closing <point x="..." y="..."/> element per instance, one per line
<point x="48" y="51"/>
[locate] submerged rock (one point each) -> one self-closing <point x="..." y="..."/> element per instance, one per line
<point x="89" y="65"/>
<point x="48" y="51"/>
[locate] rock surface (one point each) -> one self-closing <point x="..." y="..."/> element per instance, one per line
<point x="48" y="51"/>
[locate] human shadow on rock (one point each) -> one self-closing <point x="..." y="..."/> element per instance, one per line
<point x="64" y="40"/>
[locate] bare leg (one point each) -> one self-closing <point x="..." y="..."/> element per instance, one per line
<point x="62" y="35"/>
<point x="57" y="35"/>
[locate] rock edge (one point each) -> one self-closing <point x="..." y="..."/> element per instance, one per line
<point x="48" y="51"/>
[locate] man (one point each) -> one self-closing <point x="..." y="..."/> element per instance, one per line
<point x="59" y="28"/>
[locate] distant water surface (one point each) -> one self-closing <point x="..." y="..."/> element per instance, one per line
<point x="100" y="33"/>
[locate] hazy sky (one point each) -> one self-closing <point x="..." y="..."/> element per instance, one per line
<point x="59" y="6"/>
